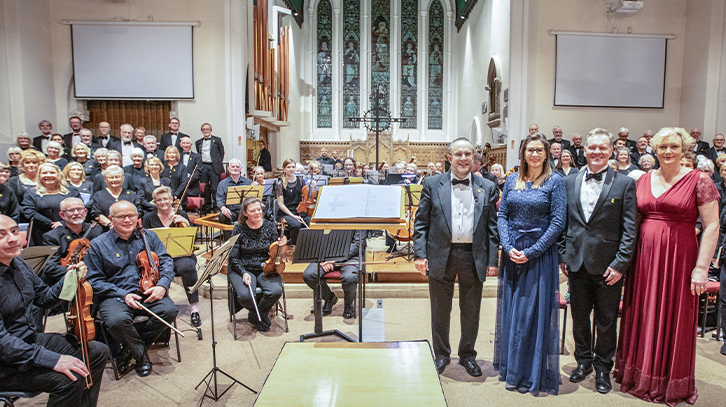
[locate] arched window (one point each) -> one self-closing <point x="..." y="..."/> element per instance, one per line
<point x="409" y="62"/>
<point x="324" y="65"/>
<point x="351" y="62"/>
<point x="380" y="52"/>
<point x="436" y="65"/>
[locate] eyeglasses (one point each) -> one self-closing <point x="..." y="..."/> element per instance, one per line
<point x="130" y="216"/>
<point x="74" y="210"/>
<point x="539" y="151"/>
<point x="163" y="199"/>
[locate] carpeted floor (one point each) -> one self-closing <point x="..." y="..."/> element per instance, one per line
<point x="252" y="356"/>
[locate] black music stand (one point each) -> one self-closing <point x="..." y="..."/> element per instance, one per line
<point x="412" y="198"/>
<point x="317" y="246"/>
<point x="214" y="266"/>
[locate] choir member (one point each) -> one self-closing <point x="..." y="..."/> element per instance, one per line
<point x="136" y="170"/>
<point x="174" y="170"/>
<point x="8" y="202"/>
<point x="23" y="141"/>
<point x="42" y="205"/>
<point x="146" y="187"/>
<point x="112" y="192"/>
<point x="82" y="155"/>
<point x="76" y="177"/>
<point x="54" y="154"/>
<point x="4" y="173"/>
<point x="28" y="177"/>
<point x="14" y="159"/>
<point x="113" y="157"/>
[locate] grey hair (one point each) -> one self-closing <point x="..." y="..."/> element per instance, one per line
<point x="234" y="160"/>
<point x="85" y="130"/>
<point x="113" y="170"/>
<point x="112" y="209"/>
<point x="64" y="203"/>
<point x="56" y="145"/>
<point x="623" y="130"/>
<point x="114" y="153"/>
<point x="14" y="149"/>
<point x="149" y="137"/>
<point x="704" y="164"/>
<point x="99" y="152"/>
<point x="556" y="128"/>
<point x="599" y="131"/>
<point x="460" y="140"/>
<point x="137" y="151"/>
<point x="127" y="126"/>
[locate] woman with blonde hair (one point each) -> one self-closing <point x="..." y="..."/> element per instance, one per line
<point x="28" y="177"/>
<point x="289" y="195"/>
<point x="174" y="170"/>
<point x="258" y="176"/>
<point x="153" y="168"/>
<point x="81" y="153"/>
<point x="42" y="205"/>
<point x="76" y="178"/>
<point x="498" y="171"/>
<point x="24" y="142"/>
<point x="656" y="354"/>
<point x="54" y="154"/>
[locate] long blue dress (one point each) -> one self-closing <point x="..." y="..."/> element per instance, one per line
<point x="525" y="350"/>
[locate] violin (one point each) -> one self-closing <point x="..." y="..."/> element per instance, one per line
<point x="276" y="264"/>
<point x="178" y="203"/>
<point x="309" y="196"/>
<point x="147" y="262"/>
<point x="78" y="247"/>
<point x="80" y="321"/>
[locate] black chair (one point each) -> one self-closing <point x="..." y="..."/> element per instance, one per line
<point x="234" y="306"/>
<point x="9" y="397"/>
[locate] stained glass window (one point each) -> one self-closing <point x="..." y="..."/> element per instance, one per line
<point x="409" y="62"/>
<point x="436" y="65"/>
<point x="351" y="62"/>
<point x="324" y="64"/>
<point x="380" y="51"/>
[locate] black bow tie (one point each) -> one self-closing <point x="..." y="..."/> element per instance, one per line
<point x="464" y="182"/>
<point x="596" y="177"/>
<point x="174" y="134"/>
<point x="127" y="143"/>
<point x="103" y="137"/>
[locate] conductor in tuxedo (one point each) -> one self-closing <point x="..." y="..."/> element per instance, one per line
<point x="212" y="151"/>
<point x="598" y="246"/>
<point x="455" y="234"/>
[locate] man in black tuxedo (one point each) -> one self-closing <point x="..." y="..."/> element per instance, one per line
<point x="714" y="152"/>
<point x="596" y="251"/>
<point x="173" y="137"/>
<point x="105" y="139"/>
<point x="699" y="147"/>
<point x="557" y="137"/>
<point x="151" y="150"/>
<point x="70" y="139"/>
<point x="46" y="130"/>
<point x="189" y="160"/>
<point x="212" y="151"/>
<point x="623" y="135"/>
<point x="455" y="234"/>
<point x="578" y="151"/>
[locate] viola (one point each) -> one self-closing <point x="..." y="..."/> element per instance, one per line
<point x="278" y="252"/>
<point x="78" y="247"/>
<point x="80" y="321"/>
<point x="147" y="262"/>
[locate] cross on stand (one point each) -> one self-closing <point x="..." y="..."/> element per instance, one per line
<point x="377" y="119"/>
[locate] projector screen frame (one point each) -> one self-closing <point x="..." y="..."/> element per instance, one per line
<point x="190" y="24"/>
<point x="665" y="37"/>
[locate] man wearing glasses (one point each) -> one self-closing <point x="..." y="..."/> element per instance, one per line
<point x="114" y="277"/>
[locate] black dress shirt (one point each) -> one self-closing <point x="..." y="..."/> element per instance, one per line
<point x="9" y="204"/>
<point x="62" y="237"/>
<point x="222" y="188"/>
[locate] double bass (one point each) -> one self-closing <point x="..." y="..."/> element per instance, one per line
<point x="79" y="321"/>
<point x="278" y="252"/>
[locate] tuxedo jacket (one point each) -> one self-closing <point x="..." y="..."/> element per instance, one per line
<point x="38" y="143"/>
<point x="579" y="159"/>
<point x="68" y="140"/>
<point x="114" y="143"/>
<point x="712" y="155"/>
<point x="702" y="147"/>
<point x="608" y="238"/>
<point x="166" y="141"/>
<point x="216" y="151"/>
<point x="432" y="229"/>
<point x="194" y="190"/>
<point x="565" y="143"/>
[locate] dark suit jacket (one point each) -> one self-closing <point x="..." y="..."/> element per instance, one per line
<point x="608" y="239"/>
<point x="432" y="229"/>
<point x="38" y="143"/>
<point x="68" y="140"/>
<point x="712" y="155"/>
<point x="194" y="190"/>
<point x="166" y="141"/>
<point x="565" y="143"/>
<point x="579" y="160"/>
<point x="265" y="160"/>
<point x="113" y="143"/>
<point x="702" y="147"/>
<point x="216" y="151"/>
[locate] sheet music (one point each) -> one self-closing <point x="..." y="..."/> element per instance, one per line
<point x="356" y="201"/>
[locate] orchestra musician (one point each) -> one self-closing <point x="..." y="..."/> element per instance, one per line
<point x="32" y="361"/>
<point x="259" y="176"/>
<point x="315" y="166"/>
<point x="348" y="279"/>
<point x="289" y="195"/>
<point x="186" y="266"/>
<point x="114" y="276"/>
<point x="251" y="250"/>
<point x="229" y="213"/>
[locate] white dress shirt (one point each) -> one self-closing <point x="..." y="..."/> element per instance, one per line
<point x="462" y="211"/>
<point x="206" y="148"/>
<point x="185" y="158"/>
<point x="591" y="192"/>
<point x="45" y="141"/>
<point x="75" y="139"/>
<point x="173" y="138"/>
<point x="126" y="153"/>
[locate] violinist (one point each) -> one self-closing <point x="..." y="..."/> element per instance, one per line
<point x="33" y="361"/>
<point x="114" y="277"/>
<point x="349" y="166"/>
<point x="185" y="267"/>
<point x="251" y="250"/>
<point x="315" y="167"/>
<point x="229" y="213"/>
<point x="412" y="178"/>
<point x="289" y="195"/>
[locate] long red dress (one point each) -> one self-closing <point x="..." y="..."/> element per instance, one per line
<point x="656" y="354"/>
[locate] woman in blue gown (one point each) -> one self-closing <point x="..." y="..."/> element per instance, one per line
<point x="532" y="215"/>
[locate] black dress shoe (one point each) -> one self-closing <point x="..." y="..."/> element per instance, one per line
<point x="472" y="368"/>
<point x="328" y="305"/>
<point x="196" y="320"/>
<point x="580" y="373"/>
<point x="143" y="366"/>
<point x="602" y="382"/>
<point x="441" y="362"/>
<point x="123" y="361"/>
<point x="349" y="311"/>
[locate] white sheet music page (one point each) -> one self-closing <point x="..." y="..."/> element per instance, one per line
<point x="338" y="202"/>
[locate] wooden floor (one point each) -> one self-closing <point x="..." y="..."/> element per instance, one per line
<point x="398" y="374"/>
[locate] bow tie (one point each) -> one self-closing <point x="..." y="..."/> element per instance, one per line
<point x="103" y="137"/>
<point x="596" y="177"/>
<point x="174" y="134"/>
<point x="464" y="182"/>
<point x="127" y="143"/>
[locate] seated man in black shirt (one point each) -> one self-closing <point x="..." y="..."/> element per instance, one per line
<point x="114" y="277"/>
<point x="32" y="361"/>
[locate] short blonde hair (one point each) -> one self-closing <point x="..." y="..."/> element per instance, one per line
<point x="161" y="190"/>
<point x="83" y="146"/>
<point x="171" y="149"/>
<point x="113" y="170"/>
<point x="14" y="150"/>
<point x="100" y="152"/>
<point x="72" y="165"/>
<point x="153" y="160"/>
<point x="686" y="139"/>
<point x="56" y="145"/>
<point x="30" y="156"/>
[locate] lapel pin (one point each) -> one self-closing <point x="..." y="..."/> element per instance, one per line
<point x="118" y="255"/>
<point x="612" y="200"/>
<point x="478" y="190"/>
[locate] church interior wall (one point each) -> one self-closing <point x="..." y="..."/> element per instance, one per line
<point x="286" y="143"/>
<point x="663" y="17"/>
<point x="485" y="34"/>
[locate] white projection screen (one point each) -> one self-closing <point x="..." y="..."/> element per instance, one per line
<point x="133" y="61"/>
<point x="610" y="71"/>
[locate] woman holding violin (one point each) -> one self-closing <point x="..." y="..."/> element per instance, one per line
<point x="186" y="267"/>
<point x="258" y="238"/>
<point x="289" y="195"/>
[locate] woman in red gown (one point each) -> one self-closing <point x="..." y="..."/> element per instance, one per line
<point x="656" y="354"/>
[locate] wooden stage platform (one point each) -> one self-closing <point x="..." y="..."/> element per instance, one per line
<point x="376" y="374"/>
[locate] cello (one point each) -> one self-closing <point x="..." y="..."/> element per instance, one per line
<point x="276" y="264"/>
<point x="80" y="321"/>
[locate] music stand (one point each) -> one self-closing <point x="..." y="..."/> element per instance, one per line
<point x="179" y="242"/>
<point x="412" y="196"/>
<point x="235" y="195"/>
<point x="346" y="180"/>
<point x="317" y="246"/>
<point x="37" y="256"/>
<point x="214" y="266"/>
<point x="269" y="187"/>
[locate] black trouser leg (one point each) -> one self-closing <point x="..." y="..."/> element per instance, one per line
<point x="722" y="300"/>
<point x="186" y="268"/>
